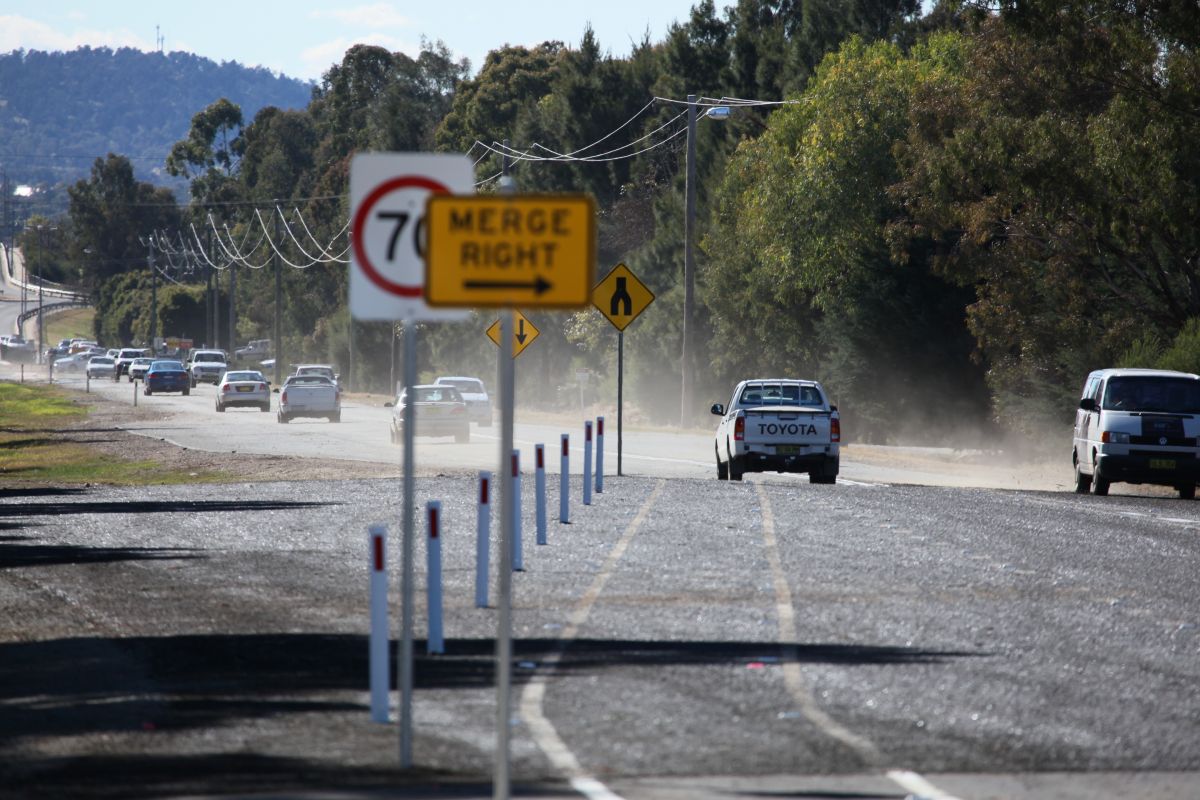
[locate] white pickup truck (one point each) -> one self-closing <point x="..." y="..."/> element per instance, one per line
<point x="779" y="425"/>
<point x="309" y="396"/>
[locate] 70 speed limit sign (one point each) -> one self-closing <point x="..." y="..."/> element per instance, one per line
<point x="387" y="221"/>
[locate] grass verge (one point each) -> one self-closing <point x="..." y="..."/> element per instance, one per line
<point x="38" y="445"/>
<point x="69" y="324"/>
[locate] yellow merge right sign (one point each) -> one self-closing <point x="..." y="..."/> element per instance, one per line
<point x="621" y="297"/>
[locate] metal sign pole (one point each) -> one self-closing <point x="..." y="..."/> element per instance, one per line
<point x="620" y="392"/>
<point x="406" y="577"/>
<point x="501" y="779"/>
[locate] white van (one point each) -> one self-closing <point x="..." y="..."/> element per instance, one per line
<point x="1138" y="426"/>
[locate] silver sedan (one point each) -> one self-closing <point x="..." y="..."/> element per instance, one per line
<point x="243" y="388"/>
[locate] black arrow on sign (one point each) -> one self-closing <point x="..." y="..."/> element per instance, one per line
<point x="521" y="331"/>
<point x="539" y="285"/>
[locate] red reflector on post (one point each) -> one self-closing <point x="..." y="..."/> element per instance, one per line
<point x="541" y="457"/>
<point x="600" y="426"/>
<point x="516" y="465"/>
<point x="483" y="491"/>
<point x="565" y="445"/>
<point x="433" y="522"/>
<point x="377" y="541"/>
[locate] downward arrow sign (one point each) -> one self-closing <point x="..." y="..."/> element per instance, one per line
<point x="521" y="331"/>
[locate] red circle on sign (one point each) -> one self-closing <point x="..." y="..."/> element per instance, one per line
<point x="360" y="222"/>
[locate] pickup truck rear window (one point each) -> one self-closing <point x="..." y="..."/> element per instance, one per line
<point x="775" y="394"/>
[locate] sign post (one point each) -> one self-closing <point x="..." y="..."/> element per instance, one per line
<point x="508" y="251"/>
<point x="388" y="193"/>
<point x="621" y="297"/>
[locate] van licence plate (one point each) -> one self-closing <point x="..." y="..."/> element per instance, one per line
<point x="1162" y="463"/>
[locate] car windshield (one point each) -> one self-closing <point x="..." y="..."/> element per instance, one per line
<point x="466" y="385"/>
<point x="780" y="394"/>
<point x="244" y="376"/>
<point x="210" y="357"/>
<point x="1152" y="393"/>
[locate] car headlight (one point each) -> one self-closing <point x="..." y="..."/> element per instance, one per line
<point x="1114" y="437"/>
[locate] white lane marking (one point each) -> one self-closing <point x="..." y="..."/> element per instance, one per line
<point x="912" y="782"/>
<point x="542" y="729"/>
<point x="794" y="679"/>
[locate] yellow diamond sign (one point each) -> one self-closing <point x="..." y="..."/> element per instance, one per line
<point x="524" y="332"/>
<point x="621" y="296"/>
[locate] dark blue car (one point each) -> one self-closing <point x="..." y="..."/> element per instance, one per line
<point x="167" y="376"/>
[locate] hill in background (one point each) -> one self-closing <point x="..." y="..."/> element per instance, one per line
<point x="60" y="111"/>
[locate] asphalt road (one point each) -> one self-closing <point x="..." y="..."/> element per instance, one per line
<point x="680" y="638"/>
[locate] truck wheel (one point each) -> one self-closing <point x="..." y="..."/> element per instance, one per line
<point x="265" y="407"/>
<point x="282" y="418"/>
<point x="335" y="416"/>
<point x="1100" y="485"/>
<point x="463" y="436"/>
<point x="1083" y="483"/>
<point x="735" y="469"/>
<point x="722" y="467"/>
<point x="1187" y="491"/>
<point x="486" y="423"/>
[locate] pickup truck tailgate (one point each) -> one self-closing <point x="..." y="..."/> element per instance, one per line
<point x="785" y="426"/>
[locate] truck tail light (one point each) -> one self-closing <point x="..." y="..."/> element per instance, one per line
<point x="835" y="430"/>
<point x="283" y="397"/>
<point x="458" y="411"/>
<point x="739" y="429"/>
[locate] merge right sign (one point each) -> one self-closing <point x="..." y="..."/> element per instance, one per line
<point x="621" y="297"/>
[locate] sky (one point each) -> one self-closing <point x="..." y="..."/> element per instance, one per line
<point x="302" y="38"/>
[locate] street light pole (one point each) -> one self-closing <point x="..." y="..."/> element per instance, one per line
<point x="689" y="267"/>
<point x="153" y="293"/>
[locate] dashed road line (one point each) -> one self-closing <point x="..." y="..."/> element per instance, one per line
<point x="794" y="679"/>
<point x="542" y="729"/>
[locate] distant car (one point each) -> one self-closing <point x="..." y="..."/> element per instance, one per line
<point x="243" y="388"/>
<point x="72" y="363"/>
<point x="317" y="369"/>
<point x="440" y="411"/>
<point x="114" y="352"/>
<point x="138" y="367"/>
<point x="125" y="357"/>
<point x="166" y="376"/>
<point x="207" y="366"/>
<point x="101" y="366"/>
<point x="479" y="405"/>
<point x="309" y="396"/>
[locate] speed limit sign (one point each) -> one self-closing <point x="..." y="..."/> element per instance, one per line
<point x="387" y="231"/>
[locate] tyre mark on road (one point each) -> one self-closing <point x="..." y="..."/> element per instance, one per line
<point x="534" y="693"/>
<point x="794" y="679"/>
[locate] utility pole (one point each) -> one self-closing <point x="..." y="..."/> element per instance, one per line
<point x="689" y="267"/>
<point x="153" y="293"/>
<point x="41" y="345"/>
<point x="232" y="309"/>
<point x="277" y="345"/>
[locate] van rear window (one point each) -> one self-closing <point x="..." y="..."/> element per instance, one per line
<point x="1152" y="393"/>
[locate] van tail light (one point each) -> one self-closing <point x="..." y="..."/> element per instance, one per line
<point x="835" y="429"/>
<point x="739" y="429"/>
<point x="283" y="397"/>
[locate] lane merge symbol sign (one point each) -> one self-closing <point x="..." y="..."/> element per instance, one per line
<point x="387" y="224"/>
<point x="505" y="251"/>
<point x="524" y="332"/>
<point x="621" y="297"/>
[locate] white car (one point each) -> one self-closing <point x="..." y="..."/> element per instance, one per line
<point x="439" y="411"/>
<point x="72" y="363"/>
<point x="243" y="388"/>
<point x="309" y="396"/>
<point x="138" y="367"/>
<point x="474" y="393"/>
<point x="206" y="366"/>
<point x="101" y="366"/>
